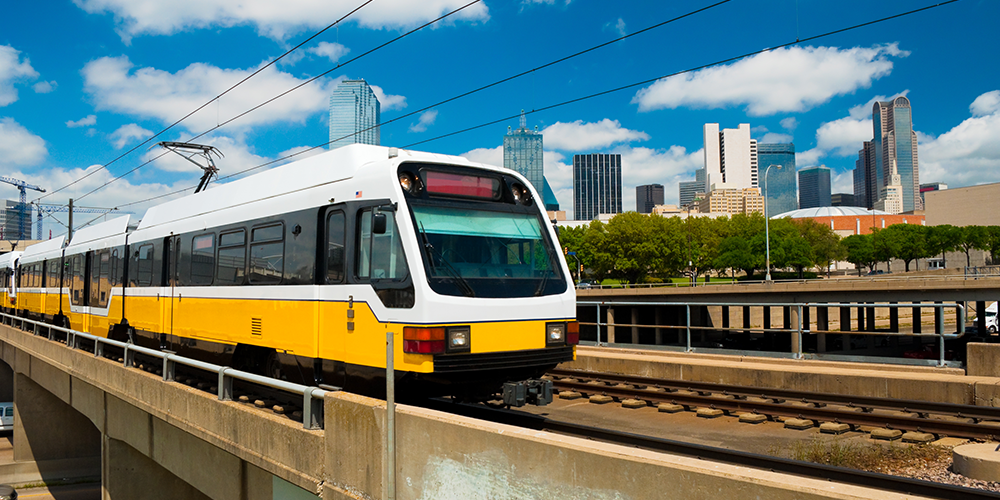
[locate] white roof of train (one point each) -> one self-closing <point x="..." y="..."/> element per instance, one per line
<point x="99" y="235"/>
<point x="43" y="250"/>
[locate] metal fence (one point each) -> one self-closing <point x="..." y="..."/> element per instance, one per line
<point x="312" y="397"/>
<point x="798" y="332"/>
<point x="982" y="272"/>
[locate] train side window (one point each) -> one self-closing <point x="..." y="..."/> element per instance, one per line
<point x="202" y="259"/>
<point x="145" y="266"/>
<point x="76" y="285"/>
<point x="232" y="260"/>
<point x="52" y="273"/>
<point x="380" y="256"/>
<point x="267" y="245"/>
<point x="95" y="278"/>
<point x="335" y="222"/>
<point x="104" y="281"/>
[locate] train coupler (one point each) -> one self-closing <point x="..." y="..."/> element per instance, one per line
<point x="533" y="391"/>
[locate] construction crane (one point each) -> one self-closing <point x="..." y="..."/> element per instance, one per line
<point x="22" y="218"/>
<point x="51" y="208"/>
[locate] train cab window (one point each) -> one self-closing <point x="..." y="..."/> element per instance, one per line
<point x="267" y="246"/>
<point x="77" y="285"/>
<point x="202" y="259"/>
<point x="335" y="247"/>
<point x="231" y="265"/>
<point x="144" y="266"/>
<point x="380" y="256"/>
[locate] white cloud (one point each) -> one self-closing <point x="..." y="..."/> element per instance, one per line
<point x="331" y="51"/>
<point x="986" y="104"/>
<point x="388" y="102"/>
<point x="489" y="156"/>
<point x="127" y="133"/>
<point x="808" y="158"/>
<point x="844" y="137"/>
<point x="18" y="146"/>
<point x="277" y="20"/>
<point x="775" y="138"/>
<point x="579" y="136"/>
<point x="13" y="70"/>
<point x="45" y="87"/>
<point x="426" y="119"/>
<point x="618" y="26"/>
<point x="82" y="122"/>
<point x="842" y="182"/>
<point x="790" y="123"/>
<point x="791" y="79"/>
<point x="968" y="153"/>
<point x="151" y="93"/>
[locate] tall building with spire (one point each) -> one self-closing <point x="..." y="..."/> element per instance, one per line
<point x="890" y="197"/>
<point x="355" y="115"/>
<point x="895" y="142"/>
<point x="522" y="153"/>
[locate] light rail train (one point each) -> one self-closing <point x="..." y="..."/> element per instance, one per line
<point x="298" y="272"/>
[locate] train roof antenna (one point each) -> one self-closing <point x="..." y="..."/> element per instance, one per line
<point x="188" y="150"/>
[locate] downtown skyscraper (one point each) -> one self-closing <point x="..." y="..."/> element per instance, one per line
<point x="814" y="187"/>
<point x="522" y="153"/>
<point x="781" y="193"/>
<point x="355" y="115"/>
<point x="894" y="142"/>
<point x="597" y="185"/>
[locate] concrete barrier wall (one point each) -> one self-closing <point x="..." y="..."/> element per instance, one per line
<point x="443" y="457"/>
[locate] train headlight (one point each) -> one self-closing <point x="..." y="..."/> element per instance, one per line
<point x="458" y="339"/>
<point x="521" y="194"/>
<point x="408" y="182"/>
<point x="555" y="334"/>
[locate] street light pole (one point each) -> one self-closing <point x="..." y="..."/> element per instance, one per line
<point x="767" y="230"/>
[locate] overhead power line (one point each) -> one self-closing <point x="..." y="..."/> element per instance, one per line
<point x="199" y="108"/>
<point x="578" y="99"/>
<point x="310" y="80"/>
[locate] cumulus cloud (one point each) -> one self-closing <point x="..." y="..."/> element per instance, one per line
<point x="617" y="27"/>
<point x="126" y="133"/>
<point x="277" y="20"/>
<point x="115" y="85"/>
<point x="13" y="70"/>
<point x="331" y="51"/>
<point x="791" y="79"/>
<point x="968" y="153"/>
<point x="986" y="104"/>
<point x="18" y="146"/>
<point x="489" y="156"/>
<point x="426" y="119"/>
<point x="388" y="102"/>
<point x="790" y="123"/>
<point x="82" y="122"/>
<point x="809" y="157"/>
<point x="845" y="136"/>
<point x="44" y="87"/>
<point x="579" y="136"/>
<point x="775" y="138"/>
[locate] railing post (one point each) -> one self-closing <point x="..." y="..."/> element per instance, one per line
<point x="226" y="386"/>
<point x="98" y="348"/>
<point x="687" y="308"/>
<point x="129" y="357"/>
<point x="798" y="351"/>
<point x="939" y="327"/>
<point x="312" y="410"/>
<point x="168" y="366"/>
<point x="598" y="321"/>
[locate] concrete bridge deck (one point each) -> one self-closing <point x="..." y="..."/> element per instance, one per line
<point x="156" y="439"/>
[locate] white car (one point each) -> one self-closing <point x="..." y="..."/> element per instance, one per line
<point x="6" y="417"/>
<point x="991" y="318"/>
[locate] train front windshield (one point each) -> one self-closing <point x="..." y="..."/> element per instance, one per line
<point x="483" y="253"/>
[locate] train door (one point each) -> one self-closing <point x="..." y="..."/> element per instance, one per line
<point x="79" y="290"/>
<point x="171" y="259"/>
<point x="100" y="267"/>
<point x="334" y="312"/>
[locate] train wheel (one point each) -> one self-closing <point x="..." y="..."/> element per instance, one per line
<point x="259" y="360"/>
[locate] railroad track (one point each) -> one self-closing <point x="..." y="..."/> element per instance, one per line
<point x="884" y="482"/>
<point x="940" y="419"/>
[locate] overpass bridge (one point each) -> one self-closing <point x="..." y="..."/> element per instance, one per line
<point x="149" y="438"/>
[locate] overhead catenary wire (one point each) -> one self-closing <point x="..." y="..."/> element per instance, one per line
<point x="214" y="99"/>
<point x="583" y="98"/>
<point x="306" y="82"/>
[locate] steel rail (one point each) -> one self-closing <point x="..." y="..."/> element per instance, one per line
<point x="865" y="402"/>
<point x="750" y="460"/>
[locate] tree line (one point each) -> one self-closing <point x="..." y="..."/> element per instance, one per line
<point x="637" y="248"/>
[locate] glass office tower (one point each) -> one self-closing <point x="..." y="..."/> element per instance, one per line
<point x="522" y="153"/>
<point x="597" y="185"/>
<point x="781" y="193"/>
<point x="894" y="140"/>
<point x="355" y="115"/>
<point x="814" y="187"/>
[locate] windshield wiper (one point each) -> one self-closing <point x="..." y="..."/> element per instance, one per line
<point x="456" y="277"/>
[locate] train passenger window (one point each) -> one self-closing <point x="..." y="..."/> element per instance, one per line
<point x="76" y="285"/>
<point x="145" y="266"/>
<point x="380" y="256"/>
<point x="267" y="245"/>
<point x="335" y="247"/>
<point x="117" y="267"/>
<point x="202" y="259"/>
<point x="95" y="278"/>
<point x="232" y="261"/>
<point x="103" y="292"/>
<point x="52" y="273"/>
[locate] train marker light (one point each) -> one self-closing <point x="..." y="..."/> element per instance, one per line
<point x="418" y="340"/>
<point x="573" y="333"/>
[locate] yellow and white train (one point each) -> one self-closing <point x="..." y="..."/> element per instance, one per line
<point x="300" y="271"/>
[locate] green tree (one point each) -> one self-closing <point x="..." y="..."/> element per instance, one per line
<point x="703" y="236"/>
<point x="973" y="237"/>
<point x="942" y="239"/>
<point x="735" y="253"/>
<point x="912" y="242"/>
<point x="595" y="254"/>
<point x="826" y="247"/>
<point x="993" y="239"/>
<point x="860" y="251"/>
<point x="887" y="246"/>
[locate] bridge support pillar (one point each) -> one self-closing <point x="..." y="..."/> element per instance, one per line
<point x="894" y="319"/>
<point x="981" y="318"/>
<point x="917" y="319"/>
<point x="129" y="474"/>
<point x="611" y="326"/>
<point x="725" y="318"/>
<point x="938" y="318"/>
<point x="822" y="324"/>
<point x="657" y="320"/>
<point x="6" y="382"/>
<point x="47" y="428"/>
<point x="870" y="320"/>
<point x="746" y="319"/>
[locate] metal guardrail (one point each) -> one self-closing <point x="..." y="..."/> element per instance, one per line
<point x="983" y="272"/>
<point x="799" y="331"/>
<point x="312" y="397"/>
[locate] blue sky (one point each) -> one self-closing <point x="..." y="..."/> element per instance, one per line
<point x="82" y="82"/>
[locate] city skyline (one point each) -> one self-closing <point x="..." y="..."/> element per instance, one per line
<point x="354" y="115"/>
<point x="118" y="72"/>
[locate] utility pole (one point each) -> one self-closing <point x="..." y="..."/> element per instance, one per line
<point x="69" y="236"/>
